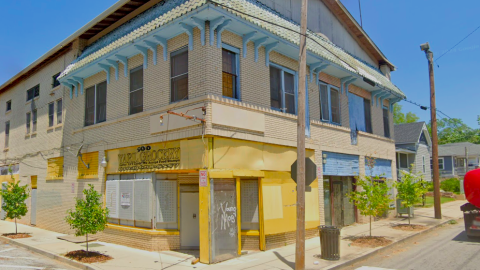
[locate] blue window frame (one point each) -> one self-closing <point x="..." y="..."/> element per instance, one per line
<point x="329" y="103"/>
<point x="230" y="72"/>
<point x="283" y="89"/>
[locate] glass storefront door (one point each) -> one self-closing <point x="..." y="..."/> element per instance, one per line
<point x="223" y="218"/>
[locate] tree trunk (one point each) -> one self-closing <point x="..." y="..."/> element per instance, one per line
<point x="16" y="226"/>
<point x="87" y="244"/>
<point x="370" y="226"/>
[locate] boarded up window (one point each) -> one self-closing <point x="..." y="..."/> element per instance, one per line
<point x="55" y="168"/>
<point x="91" y="160"/>
<point x="166" y="193"/>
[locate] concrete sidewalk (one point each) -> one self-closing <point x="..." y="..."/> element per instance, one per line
<point x="46" y="242"/>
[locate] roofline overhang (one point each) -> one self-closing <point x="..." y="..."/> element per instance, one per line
<point x="65" y="42"/>
<point x="371" y="46"/>
<point x="405" y="151"/>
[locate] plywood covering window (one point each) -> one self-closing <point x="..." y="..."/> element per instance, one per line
<point x="136" y="90"/>
<point x="179" y="75"/>
<point x="55" y="168"/>
<point x="96" y="104"/>
<point x="230" y="78"/>
<point x="91" y="159"/>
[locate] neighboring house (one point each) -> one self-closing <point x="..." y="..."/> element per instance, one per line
<point x="413" y="147"/>
<point x="452" y="161"/>
<point x="184" y="114"/>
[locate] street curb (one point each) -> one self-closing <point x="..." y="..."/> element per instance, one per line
<point x="49" y="254"/>
<point x="374" y="252"/>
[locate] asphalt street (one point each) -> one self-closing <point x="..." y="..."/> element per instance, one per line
<point x="444" y="248"/>
<point x="18" y="258"/>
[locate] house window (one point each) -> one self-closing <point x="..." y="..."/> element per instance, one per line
<point x="51" y="114"/>
<point x="9" y="105"/>
<point x="386" y="123"/>
<point x="59" y="111"/>
<point x="282" y="89"/>
<point x="55" y="81"/>
<point x="33" y="92"/>
<point x="96" y="104"/>
<point x="368" y="115"/>
<point x="403" y="161"/>
<point x="29" y="118"/>
<point x="441" y="163"/>
<point x="423" y="164"/>
<point x="329" y="103"/>
<point x="136" y="90"/>
<point x="179" y="75"/>
<point x="34" y="121"/>
<point x="7" y="133"/>
<point x="230" y="78"/>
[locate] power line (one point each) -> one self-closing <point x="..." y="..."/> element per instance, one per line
<point x="438" y="58"/>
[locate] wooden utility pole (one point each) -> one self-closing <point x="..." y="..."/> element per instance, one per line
<point x="433" y="110"/>
<point x="300" y="243"/>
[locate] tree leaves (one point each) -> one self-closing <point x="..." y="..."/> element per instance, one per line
<point x="400" y="118"/>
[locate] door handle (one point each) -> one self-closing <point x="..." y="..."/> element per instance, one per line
<point x="194" y="216"/>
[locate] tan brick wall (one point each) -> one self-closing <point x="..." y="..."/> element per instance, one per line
<point x="250" y="242"/>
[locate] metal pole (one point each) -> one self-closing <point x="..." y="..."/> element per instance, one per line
<point x="300" y="241"/>
<point x="433" y="111"/>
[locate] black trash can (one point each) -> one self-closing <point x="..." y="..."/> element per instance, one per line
<point x="471" y="217"/>
<point x="329" y="242"/>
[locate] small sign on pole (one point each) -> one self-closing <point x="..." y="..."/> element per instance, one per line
<point x="203" y="178"/>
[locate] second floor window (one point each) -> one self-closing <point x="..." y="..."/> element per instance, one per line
<point x="7" y="133"/>
<point x="27" y="121"/>
<point x="329" y="103"/>
<point x="96" y="104"/>
<point x="136" y="90"/>
<point x="230" y="74"/>
<point x="179" y="75"/>
<point x="9" y="106"/>
<point x="33" y="92"/>
<point x="386" y="123"/>
<point x="34" y="120"/>
<point x="282" y="89"/>
<point x="359" y="113"/>
<point x="59" y="111"/>
<point x="51" y="114"/>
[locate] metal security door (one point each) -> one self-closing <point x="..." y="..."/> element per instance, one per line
<point x="223" y="220"/>
<point x="337" y="203"/>
<point x="189" y="218"/>
<point x="33" y="206"/>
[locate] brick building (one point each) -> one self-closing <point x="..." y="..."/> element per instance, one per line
<point x="183" y="114"/>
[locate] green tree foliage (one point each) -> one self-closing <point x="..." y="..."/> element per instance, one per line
<point x="14" y="197"/>
<point x="89" y="216"/>
<point x="401" y="118"/>
<point x="371" y="195"/>
<point x="454" y="130"/>
<point x="411" y="189"/>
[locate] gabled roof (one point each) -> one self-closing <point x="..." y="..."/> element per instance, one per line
<point x="166" y="12"/>
<point x="458" y="149"/>
<point x="409" y="133"/>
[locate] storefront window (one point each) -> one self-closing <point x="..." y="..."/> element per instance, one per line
<point x="249" y="204"/>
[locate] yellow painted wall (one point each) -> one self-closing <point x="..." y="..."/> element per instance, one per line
<point x="8" y="178"/>
<point x="55" y="168"/>
<point x="279" y="203"/>
<point x="229" y="153"/>
<point x="91" y="159"/>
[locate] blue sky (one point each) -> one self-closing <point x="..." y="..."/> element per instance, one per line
<point x="31" y="28"/>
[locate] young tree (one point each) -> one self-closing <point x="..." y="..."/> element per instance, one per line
<point x="371" y="195"/>
<point x="89" y="216"/>
<point x="410" y="189"/>
<point x="14" y="197"/>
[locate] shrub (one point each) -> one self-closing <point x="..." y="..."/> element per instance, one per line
<point x="429" y="185"/>
<point x="450" y="185"/>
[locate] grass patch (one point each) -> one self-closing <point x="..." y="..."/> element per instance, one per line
<point x="429" y="201"/>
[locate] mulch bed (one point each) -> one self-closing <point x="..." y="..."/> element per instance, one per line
<point x="90" y="257"/>
<point x="370" y="241"/>
<point x="409" y="227"/>
<point x="17" y="235"/>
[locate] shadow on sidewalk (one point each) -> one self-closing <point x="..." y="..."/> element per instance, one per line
<point x="285" y="261"/>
